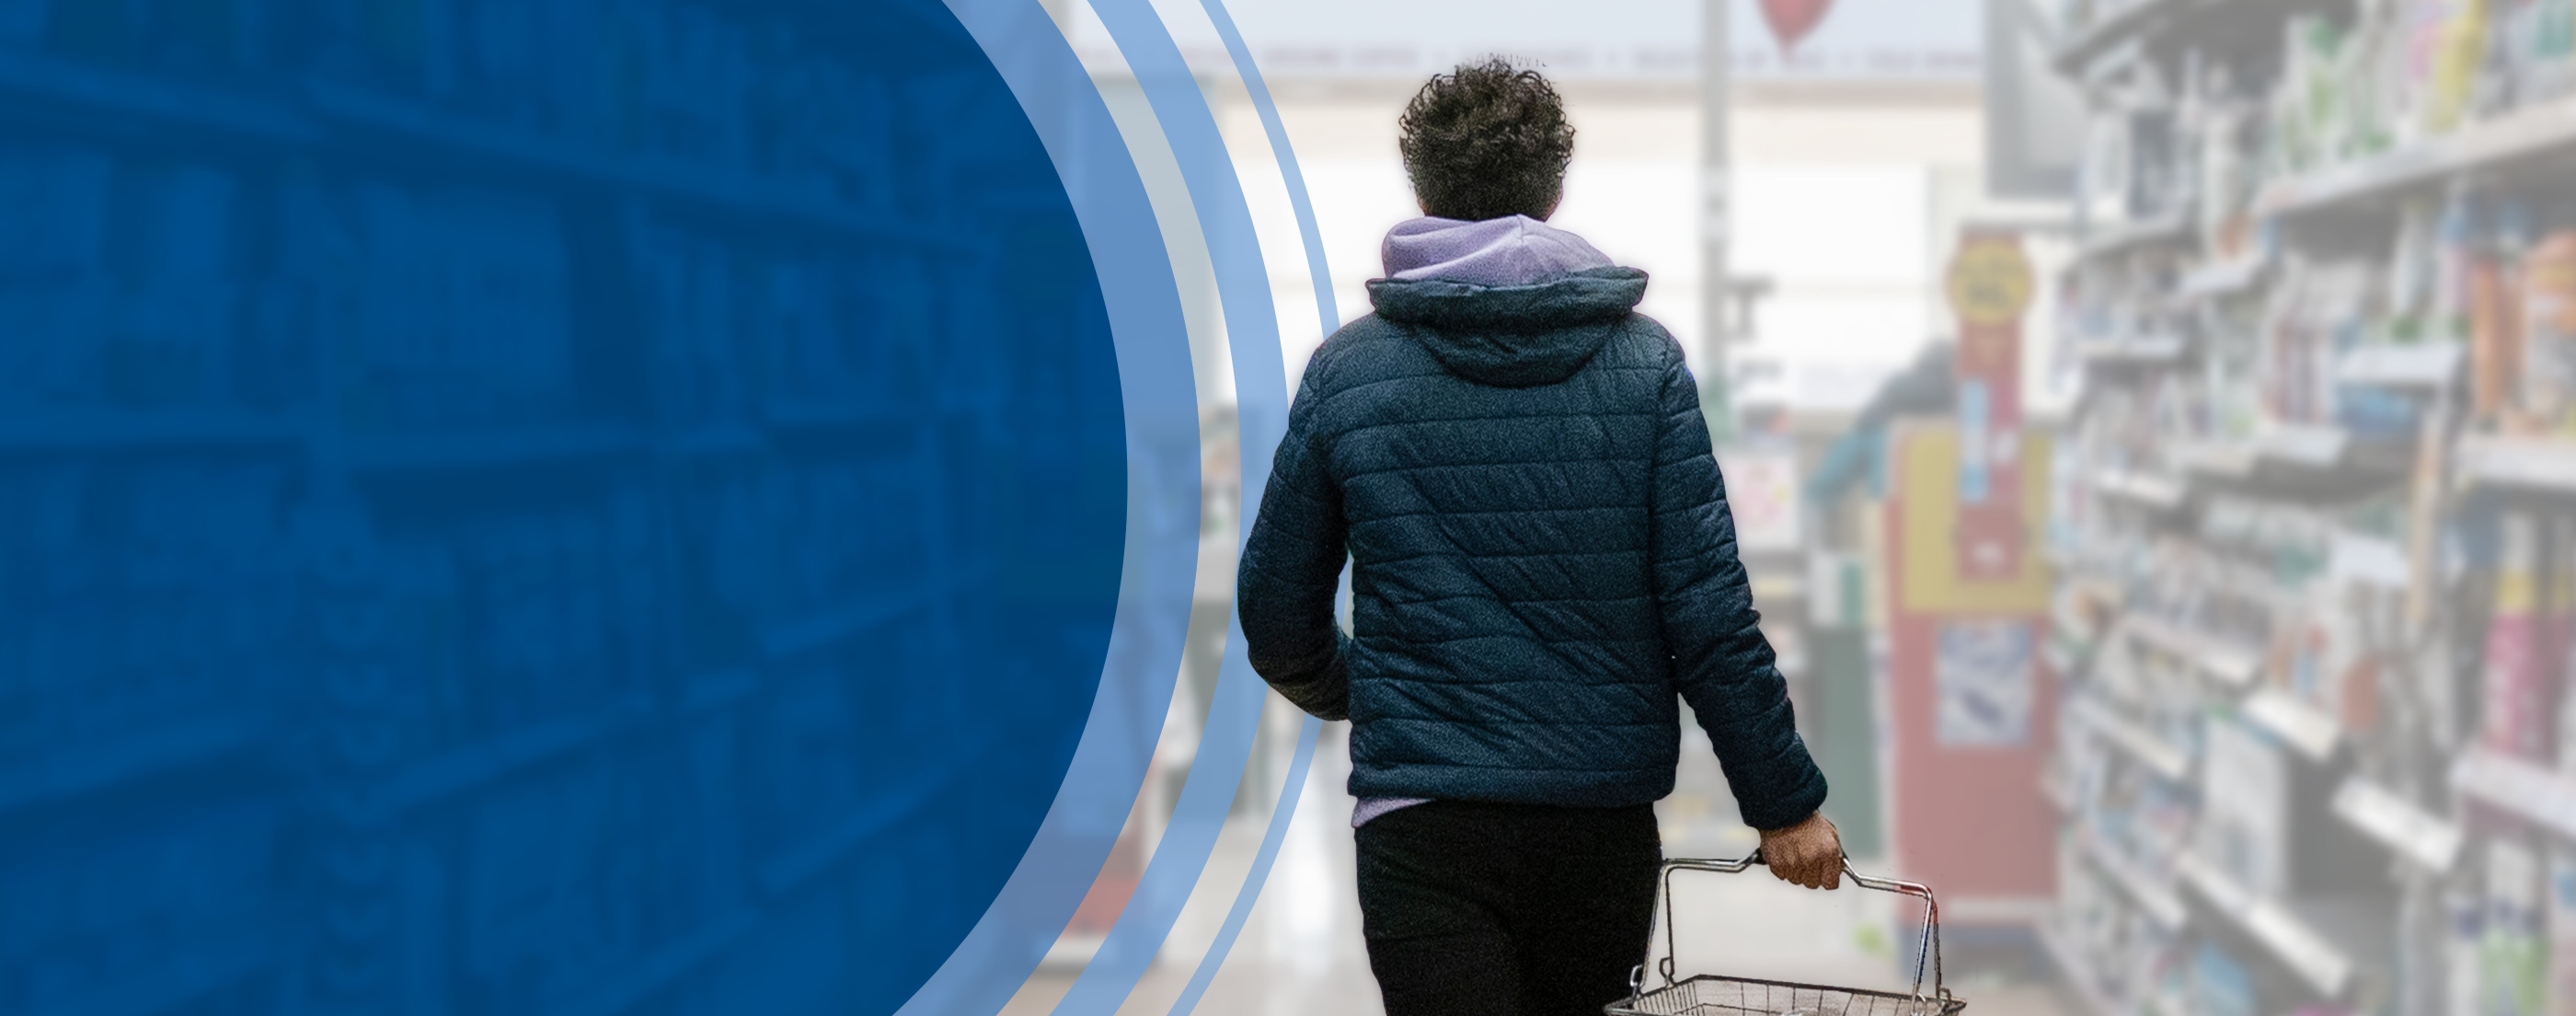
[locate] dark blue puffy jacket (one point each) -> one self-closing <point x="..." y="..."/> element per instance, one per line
<point x="1542" y="551"/>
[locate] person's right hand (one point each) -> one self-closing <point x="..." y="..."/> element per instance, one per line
<point x="1808" y="854"/>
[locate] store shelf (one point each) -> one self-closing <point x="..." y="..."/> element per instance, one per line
<point x="36" y="81"/>
<point x="2156" y="897"/>
<point x="2316" y="447"/>
<point x="2518" y="787"/>
<point x="2228" y="459"/>
<point x="442" y="775"/>
<point x="2295" y="462"/>
<point x="2231" y="665"/>
<point x="229" y="956"/>
<point x="2295" y="724"/>
<point x="2152" y="350"/>
<point x="2076" y="974"/>
<point x="648" y="975"/>
<point x="718" y="439"/>
<point x="2429" y="367"/>
<point x="806" y="416"/>
<point x="723" y="188"/>
<point x="131" y="757"/>
<point x="2511" y="141"/>
<point x="2114" y="240"/>
<point x="2534" y="464"/>
<point x="2222" y="279"/>
<point x="2370" y="560"/>
<point x="2145" y="489"/>
<point x="784" y="873"/>
<point x="2140" y="744"/>
<point x="2406" y="830"/>
<point x="311" y="117"/>
<point x="2297" y="946"/>
<point x="836" y="624"/>
<point x="443" y="450"/>
<point x="717" y="689"/>
<point x="94" y="431"/>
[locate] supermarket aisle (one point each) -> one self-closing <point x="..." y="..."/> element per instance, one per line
<point x="1300" y="951"/>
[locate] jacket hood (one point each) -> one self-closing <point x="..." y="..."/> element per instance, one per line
<point x="1514" y="250"/>
<point x="1514" y="336"/>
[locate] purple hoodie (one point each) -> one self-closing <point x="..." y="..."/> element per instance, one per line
<point x="1512" y="251"/>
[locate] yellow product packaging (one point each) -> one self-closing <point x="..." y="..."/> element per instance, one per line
<point x="2459" y="47"/>
<point x="2549" y="330"/>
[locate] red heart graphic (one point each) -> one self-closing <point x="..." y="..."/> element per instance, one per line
<point x="1791" y="20"/>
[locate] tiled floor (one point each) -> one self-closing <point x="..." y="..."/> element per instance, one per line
<point x="1300" y="952"/>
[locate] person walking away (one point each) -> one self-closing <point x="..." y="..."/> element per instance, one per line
<point x="1514" y="463"/>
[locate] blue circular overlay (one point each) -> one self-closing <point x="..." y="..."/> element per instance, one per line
<point x="565" y="506"/>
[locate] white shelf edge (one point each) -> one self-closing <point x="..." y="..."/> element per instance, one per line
<point x="2079" y="975"/>
<point x="2155" y="897"/>
<point x="2233" y="667"/>
<point x="2305" y="729"/>
<point x="2523" y="134"/>
<point x="2303" y="444"/>
<point x="2299" y="948"/>
<point x="2408" y="831"/>
<point x="2424" y="366"/>
<point x="2540" y="463"/>
<point x="2142" y="349"/>
<point x="2519" y="787"/>
<point x="2153" y="491"/>
<point x="2148" y="749"/>
<point x="2225" y="278"/>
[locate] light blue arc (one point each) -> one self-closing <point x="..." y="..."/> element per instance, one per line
<point x="1327" y="316"/>
<point x="1261" y="388"/>
<point x="1157" y="391"/>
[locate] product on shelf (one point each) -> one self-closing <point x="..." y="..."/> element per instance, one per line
<point x="2512" y="971"/>
<point x="2548" y="325"/>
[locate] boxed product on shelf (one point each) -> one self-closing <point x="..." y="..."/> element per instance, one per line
<point x="2547" y="327"/>
<point x="2221" y="986"/>
<point x="2245" y="810"/>
<point x="2516" y="717"/>
<point x="2513" y="964"/>
<point x="2463" y="957"/>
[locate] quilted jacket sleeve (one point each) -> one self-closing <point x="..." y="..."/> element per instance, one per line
<point x="1291" y="567"/>
<point x="1721" y="663"/>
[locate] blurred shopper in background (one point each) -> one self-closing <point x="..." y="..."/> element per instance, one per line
<point x="1515" y="463"/>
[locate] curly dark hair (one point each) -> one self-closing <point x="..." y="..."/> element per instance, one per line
<point x="1486" y="141"/>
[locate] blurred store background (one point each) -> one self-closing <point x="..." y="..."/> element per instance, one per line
<point x="2149" y="428"/>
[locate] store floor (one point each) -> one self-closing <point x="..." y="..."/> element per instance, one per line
<point x="1300" y="954"/>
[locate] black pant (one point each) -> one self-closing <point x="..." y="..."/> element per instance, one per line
<point x="1506" y="909"/>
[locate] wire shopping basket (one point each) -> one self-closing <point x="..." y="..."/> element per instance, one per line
<point x="1711" y="995"/>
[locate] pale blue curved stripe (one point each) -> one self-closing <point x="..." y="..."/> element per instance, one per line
<point x="1261" y="863"/>
<point x="1261" y="388"/>
<point x="1328" y="317"/>
<point x="1325" y="311"/>
<point x="1157" y="391"/>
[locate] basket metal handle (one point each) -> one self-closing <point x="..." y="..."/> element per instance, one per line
<point x="1929" y="952"/>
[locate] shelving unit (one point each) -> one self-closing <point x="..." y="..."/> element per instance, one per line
<point x="587" y="556"/>
<point x="2333" y="503"/>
